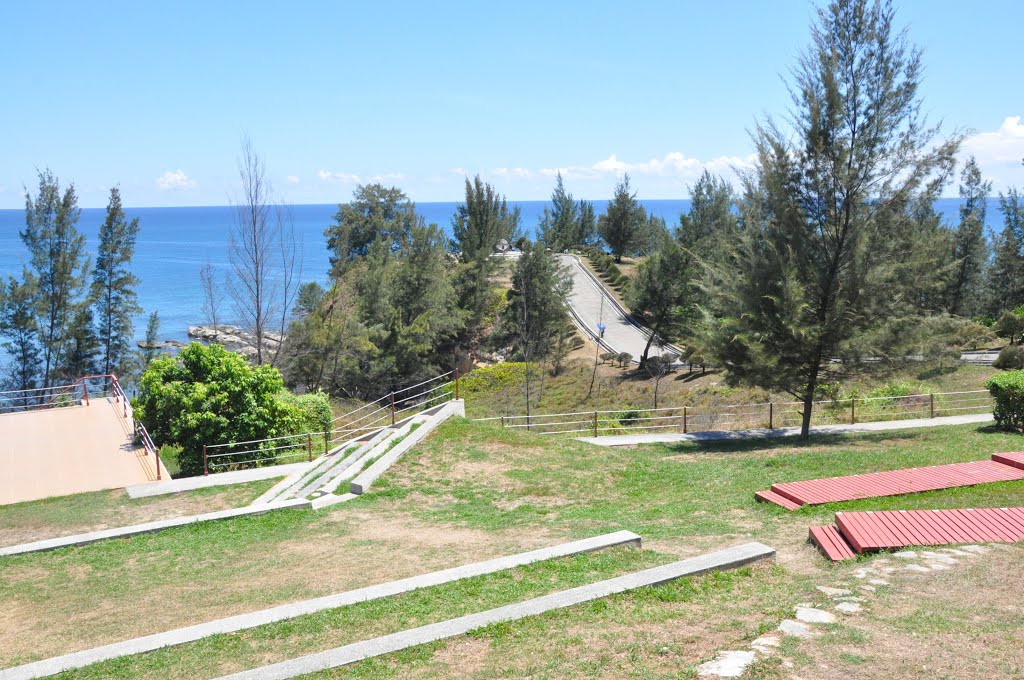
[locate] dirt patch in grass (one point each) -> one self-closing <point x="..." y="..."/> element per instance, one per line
<point x="964" y="622"/>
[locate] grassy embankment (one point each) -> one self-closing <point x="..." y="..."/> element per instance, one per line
<point x="470" y="492"/>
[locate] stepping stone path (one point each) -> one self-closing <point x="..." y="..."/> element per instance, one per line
<point x="807" y="615"/>
<point x="728" y="664"/>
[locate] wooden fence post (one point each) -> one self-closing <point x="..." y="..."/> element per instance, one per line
<point x="456" y="384"/>
<point x="206" y="469"/>
<point x="931" y="405"/>
<point x="85" y="390"/>
<point x="392" y="409"/>
<point x="684" y="420"/>
<point x="327" y="444"/>
<point x="771" y="415"/>
<point x="595" y="423"/>
<point x="853" y="411"/>
<point x="309" y="445"/>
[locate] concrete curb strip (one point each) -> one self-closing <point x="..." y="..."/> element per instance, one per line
<point x="363" y="481"/>
<point x="219" y="479"/>
<point x="232" y="624"/>
<point x="723" y="559"/>
<point x="147" y="528"/>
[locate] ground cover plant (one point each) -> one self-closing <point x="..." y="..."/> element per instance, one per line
<point x="468" y="492"/>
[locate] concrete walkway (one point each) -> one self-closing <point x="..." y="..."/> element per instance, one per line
<point x="591" y="303"/>
<point x="69" y="450"/>
<point x="765" y="433"/>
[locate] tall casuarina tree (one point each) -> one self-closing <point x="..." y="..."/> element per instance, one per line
<point x="113" y="287"/>
<point x="813" y="269"/>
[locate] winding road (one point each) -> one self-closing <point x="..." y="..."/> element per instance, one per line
<point x="590" y="303"/>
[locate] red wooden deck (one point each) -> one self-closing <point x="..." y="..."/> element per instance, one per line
<point x="1003" y="467"/>
<point x="859" y="532"/>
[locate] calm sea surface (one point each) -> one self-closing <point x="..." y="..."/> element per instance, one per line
<point x="174" y="243"/>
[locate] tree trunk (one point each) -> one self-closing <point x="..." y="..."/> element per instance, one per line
<point x="812" y="384"/>
<point x="647" y="347"/>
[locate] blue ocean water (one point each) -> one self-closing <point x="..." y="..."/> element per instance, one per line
<point x="174" y="243"/>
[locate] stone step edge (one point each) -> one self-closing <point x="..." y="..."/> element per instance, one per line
<point x="231" y="624"/>
<point x="147" y="528"/>
<point x="731" y="558"/>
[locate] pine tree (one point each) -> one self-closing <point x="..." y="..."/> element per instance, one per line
<point x="536" y="313"/>
<point x="661" y="293"/>
<point x="970" y="247"/>
<point x="710" y="221"/>
<point x="149" y="349"/>
<point x="813" y="271"/>
<point x="59" y="266"/>
<point x="1006" y="276"/>
<point x="623" y="222"/>
<point x="559" y="226"/>
<point x="478" y="225"/>
<point x="375" y="211"/>
<point x="587" y="224"/>
<point x="20" y="333"/>
<point x="113" y="287"/>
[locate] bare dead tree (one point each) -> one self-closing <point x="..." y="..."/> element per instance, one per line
<point x="262" y="254"/>
<point x="212" y="294"/>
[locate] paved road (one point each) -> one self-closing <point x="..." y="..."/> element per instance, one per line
<point x="765" y="433"/>
<point x="591" y="303"/>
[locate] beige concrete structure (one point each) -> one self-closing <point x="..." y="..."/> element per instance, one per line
<point x="69" y="450"/>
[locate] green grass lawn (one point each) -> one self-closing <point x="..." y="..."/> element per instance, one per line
<point x="66" y="515"/>
<point x="469" y="492"/>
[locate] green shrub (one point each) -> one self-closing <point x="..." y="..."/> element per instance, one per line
<point x="900" y="388"/>
<point x="490" y="379"/>
<point x="312" y="411"/>
<point x="1008" y="391"/>
<point x="208" y="395"/>
<point x="1011" y="358"/>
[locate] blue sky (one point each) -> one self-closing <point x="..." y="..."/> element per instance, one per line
<point x="156" y="96"/>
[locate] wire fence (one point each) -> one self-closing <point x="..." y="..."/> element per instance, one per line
<point x="386" y="411"/>
<point x="689" y="419"/>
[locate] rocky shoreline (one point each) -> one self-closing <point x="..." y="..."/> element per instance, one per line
<point x="231" y="337"/>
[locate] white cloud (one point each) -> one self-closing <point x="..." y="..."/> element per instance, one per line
<point x="349" y="178"/>
<point x="673" y="165"/>
<point x="523" y="173"/>
<point x="175" y="180"/>
<point x="1000" y="153"/>
<point x="292" y="179"/>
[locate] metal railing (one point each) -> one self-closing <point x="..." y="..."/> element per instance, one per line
<point x="383" y="412"/>
<point x="771" y="415"/>
<point x="80" y="393"/>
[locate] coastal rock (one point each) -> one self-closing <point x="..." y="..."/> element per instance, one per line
<point x="234" y="338"/>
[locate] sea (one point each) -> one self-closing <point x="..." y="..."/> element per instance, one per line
<point x="175" y="243"/>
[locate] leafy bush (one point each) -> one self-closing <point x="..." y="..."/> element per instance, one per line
<point x="312" y="410"/>
<point x="624" y="358"/>
<point x="973" y="336"/>
<point x="494" y="378"/>
<point x="1008" y="391"/>
<point x="1010" y="326"/>
<point x="208" y="395"/>
<point x="900" y="388"/>
<point x="1010" y="358"/>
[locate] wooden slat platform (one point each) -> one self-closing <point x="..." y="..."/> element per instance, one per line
<point x="898" y="529"/>
<point x="832" y="543"/>
<point x="1003" y="467"/>
<point x="1014" y="459"/>
<point x="772" y="497"/>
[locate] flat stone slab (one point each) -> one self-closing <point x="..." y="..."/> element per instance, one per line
<point x="341" y="656"/>
<point x="147" y="528"/>
<point x="848" y="607"/>
<point x="795" y="628"/>
<point x="233" y="624"/>
<point x="218" y="479"/>
<point x="833" y="592"/>
<point x="812" y="615"/>
<point x="727" y="665"/>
